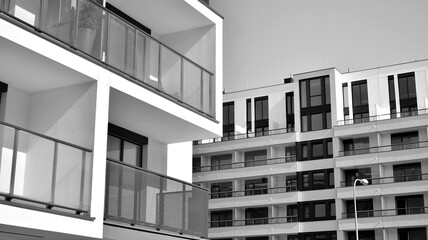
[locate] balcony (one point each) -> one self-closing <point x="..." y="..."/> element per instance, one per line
<point x="138" y="197"/>
<point x="253" y="163"/>
<point x="97" y="34"/>
<point x="245" y="136"/>
<point x="413" y="183"/>
<point x="251" y="192"/>
<point x="253" y="221"/>
<point x="382" y="117"/>
<point x="386" y="218"/>
<point x="386" y="148"/>
<point x="42" y="173"/>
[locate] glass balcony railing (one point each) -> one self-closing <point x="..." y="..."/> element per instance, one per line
<point x="386" y="148"/>
<point x="253" y="221"/>
<point x="107" y="38"/>
<point x="387" y="212"/>
<point x="252" y="192"/>
<point x="140" y="197"/>
<point x="252" y="163"/>
<point x="40" y="171"/>
<point x="245" y="136"/>
<point x="388" y="180"/>
<point x="381" y="117"/>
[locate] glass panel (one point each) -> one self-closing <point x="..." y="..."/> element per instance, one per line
<point x="127" y="192"/>
<point x="411" y="86"/>
<point x="315" y="91"/>
<point x="327" y="90"/>
<point x="265" y="109"/>
<point x="303" y="97"/>
<point x="59" y="19"/>
<point x="231" y="114"/>
<point x="320" y="210"/>
<point x="306" y="211"/>
<point x="195" y="219"/>
<point x="26" y="10"/>
<point x="192" y="85"/>
<point x="316" y="122"/>
<point x="345" y="97"/>
<point x="34" y="167"/>
<point x="113" y="148"/>
<point x="305" y="123"/>
<point x="172" y="204"/>
<point x="328" y="119"/>
<point x="151" y="65"/>
<point x="332" y="209"/>
<point x="402" y="87"/>
<point x="130" y="52"/>
<point x="317" y="150"/>
<point x="318" y="180"/>
<point x="259" y="110"/>
<point x="117" y="43"/>
<point x="139" y="56"/>
<point x="132" y="154"/>
<point x="356" y="97"/>
<point x="69" y="176"/>
<point x="171" y="74"/>
<point x="7" y="135"/>
<point x="305" y="152"/>
<point x="364" y="94"/>
<point x="207" y="99"/>
<point x="89" y="28"/>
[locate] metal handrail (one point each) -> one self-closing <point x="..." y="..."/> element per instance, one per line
<point x="385" y="148"/>
<point x="225" y="166"/>
<point x="240" y="136"/>
<point x="382" y="117"/>
<point x="157" y="174"/>
<point x="227" y="194"/>
<point x="253" y="221"/>
<point x="387" y="212"/>
<point x="45" y="136"/>
<point x="394" y="179"/>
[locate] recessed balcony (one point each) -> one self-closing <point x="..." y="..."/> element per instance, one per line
<point x="385" y="218"/>
<point x="412" y="183"/>
<point x="99" y="35"/>
<point x="139" y="197"/>
<point x="42" y="173"/>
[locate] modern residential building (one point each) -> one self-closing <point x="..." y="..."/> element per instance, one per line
<point x="100" y="102"/>
<point x="290" y="155"/>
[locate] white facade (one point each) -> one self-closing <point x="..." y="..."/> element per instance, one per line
<point x="294" y="180"/>
<point x="61" y="102"/>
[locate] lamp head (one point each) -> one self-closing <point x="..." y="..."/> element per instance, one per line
<point x="364" y="181"/>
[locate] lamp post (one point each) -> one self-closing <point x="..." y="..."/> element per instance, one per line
<point x="364" y="182"/>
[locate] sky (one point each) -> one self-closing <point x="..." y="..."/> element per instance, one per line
<point x="267" y="40"/>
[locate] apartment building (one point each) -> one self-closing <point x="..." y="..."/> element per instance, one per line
<point x="290" y="155"/>
<point x="100" y="102"/>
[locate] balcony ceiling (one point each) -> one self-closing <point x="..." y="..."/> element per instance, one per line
<point x="26" y="70"/>
<point x="163" y="16"/>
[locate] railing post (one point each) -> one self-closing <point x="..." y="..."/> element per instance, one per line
<point x="202" y="91"/>
<point x="182" y="80"/>
<point x="107" y="193"/>
<point x="42" y="14"/>
<point x="14" y="156"/>
<point x="54" y="170"/>
<point x="82" y="180"/>
<point x="183" y="209"/>
<point x="76" y="25"/>
<point x="160" y="67"/>
<point x="161" y="203"/>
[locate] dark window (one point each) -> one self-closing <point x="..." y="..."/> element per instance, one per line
<point x="292" y="212"/>
<point x="293" y="237"/>
<point x="196" y="164"/>
<point x="410" y="204"/>
<point x="221" y="162"/>
<point x="318" y="236"/>
<point x="345" y="101"/>
<point x="315" y="104"/>
<point x="221" y="218"/>
<point x="256" y="186"/>
<point x="360" y="101"/>
<point x="318" y="179"/>
<point x="291" y="183"/>
<point x="316" y="149"/>
<point x="289" y="98"/>
<point x="221" y="190"/>
<point x="257" y="238"/>
<point x="407" y="172"/>
<point x="412" y="234"/>
<point x="352" y="174"/>
<point x="391" y="91"/>
<point x="407" y="140"/>
<point x="256" y="216"/>
<point x="255" y="158"/>
<point x="407" y="91"/>
<point x="261" y="116"/>
<point x="362" y="235"/>
<point x="364" y="208"/>
<point x="228" y="120"/>
<point x="290" y="152"/>
<point x="249" y="128"/>
<point x="356" y="146"/>
<point x="125" y="146"/>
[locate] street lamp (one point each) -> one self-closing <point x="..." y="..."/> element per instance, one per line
<point x="364" y="182"/>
